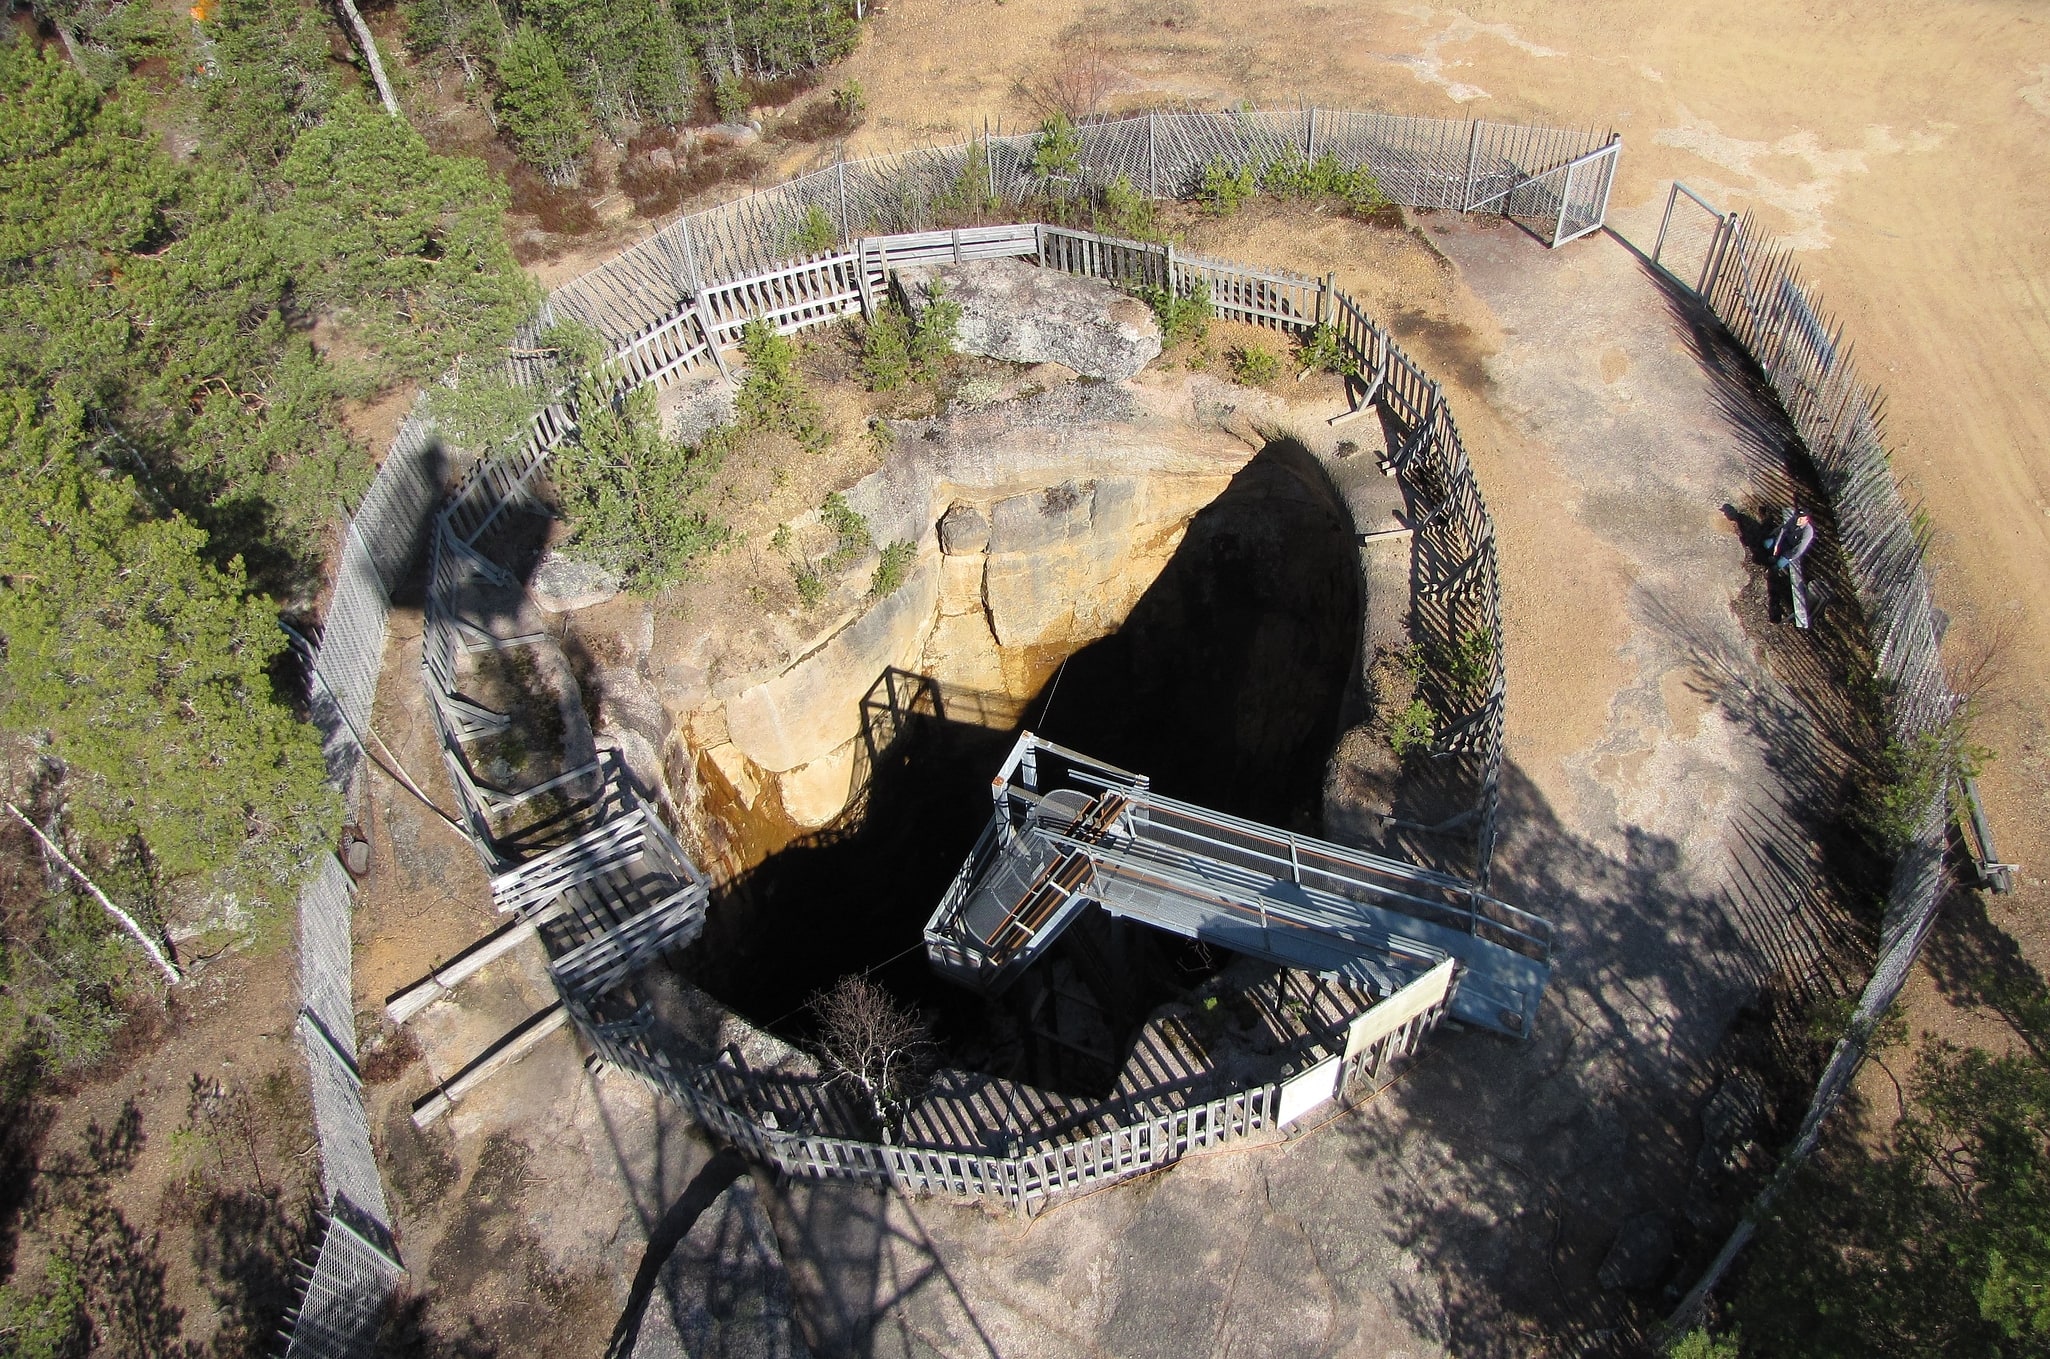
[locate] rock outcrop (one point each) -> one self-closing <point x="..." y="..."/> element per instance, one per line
<point x="1021" y="313"/>
<point x="561" y="584"/>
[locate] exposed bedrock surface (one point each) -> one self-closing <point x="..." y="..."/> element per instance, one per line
<point x="1022" y="313"/>
<point x="1131" y="569"/>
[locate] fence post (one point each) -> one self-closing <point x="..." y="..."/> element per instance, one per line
<point x="1310" y="133"/>
<point x="1324" y="290"/>
<point x="690" y="257"/>
<point x="704" y="316"/>
<point x="1171" y="289"/>
<point x="840" y="169"/>
<point x="1152" y="160"/>
<point x="1473" y="152"/>
<point x="1658" y="248"/>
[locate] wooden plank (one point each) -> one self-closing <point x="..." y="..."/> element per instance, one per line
<point x="516" y="1043"/>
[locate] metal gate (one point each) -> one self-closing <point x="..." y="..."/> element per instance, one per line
<point x="1563" y="203"/>
<point x="1693" y="239"/>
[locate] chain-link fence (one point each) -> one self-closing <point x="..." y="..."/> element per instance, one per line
<point x="356" y="1264"/>
<point x="1750" y="282"/>
<point x="1554" y="181"/>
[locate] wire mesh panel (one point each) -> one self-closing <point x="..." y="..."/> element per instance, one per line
<point x="342" y="1301"/>
<point x="1584" y="205"/>
<point x="1689" y="237"/>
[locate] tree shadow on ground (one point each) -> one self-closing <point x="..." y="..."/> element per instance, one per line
<point x="1521" y="1164"/>
<point x="854" y="1270"/>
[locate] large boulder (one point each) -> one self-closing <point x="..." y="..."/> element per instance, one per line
<point x="1021" y="313"/>
<point x="562" y="584"/>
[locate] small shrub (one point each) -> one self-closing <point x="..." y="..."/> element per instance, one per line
<point x="1912" y="773"/>
<point x="850" y="101"/>
<point x="729" y="98"/>
<point x="1322" y="351"/>
<point x="1702" y="1343"/>
<point x="632" y="496"/>
<point x="1412" y="728"/>
<point x="1254" y="364"/>
<point x="1225" y="189"/>
<point x="933" y="338"/>
<point x="1182" y="317"/>
<point x="1470" y="661"/>
<point x="851" y="538"/>
<point x="886" y="349"/>
<point x="892" y="570"/>
<point x="1057" y="151"/>
<point x="814" y="233"/>
<point x="1292" y="176"/>
<point x="969" y="197"/>
<point x="811" y="586"/>
<point x="1124" y="211"/>
<point x="772" y="396"/>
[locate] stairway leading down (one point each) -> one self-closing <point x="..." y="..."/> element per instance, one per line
<point x="1068" y="832"/>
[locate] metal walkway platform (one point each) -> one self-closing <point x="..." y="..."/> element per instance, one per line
<point x="1069" y="831"/>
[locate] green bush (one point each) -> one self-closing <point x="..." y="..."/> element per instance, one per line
<point x="1412" y="728"/>
<point x="895" y="350"/>
<point x="934" y="337"/>
<point x="772" y="395"/>
<point x="1225" y="189"/>
<point x="851" y="537"/>
<point x="811" y="586"/>
<point x="1057" y="151"/>
<point x="969" y="197"/>
<point x="634" y="498"/>
<point x="1912" y="773"/>
<point x="850" y="101"/>
<point x="892" y="570"/>
<point x="1255" y="365"/>
<point x="729" y="98"/>
<point x="886" y="349"/>
<point x="814" y="233"/>
<point x="1183" y="316"/>
<point x="1470" y="660"/>
<point x="1700" y="1343"/>
<point x="851" y="542"/>
<point x="537" y="108"/>
<point x="1322" y="351"/>
<point x="1123" y="211"/>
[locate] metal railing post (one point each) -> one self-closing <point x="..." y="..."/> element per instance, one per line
<point x="1473" y="151"/>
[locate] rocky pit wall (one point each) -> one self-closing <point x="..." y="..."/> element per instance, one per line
<point x="1059" y="511"/>
<point x="1038" y="524"/>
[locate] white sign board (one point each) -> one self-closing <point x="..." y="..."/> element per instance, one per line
<point x="1309" y="1090"/>
<point x="1396" y="1011"/>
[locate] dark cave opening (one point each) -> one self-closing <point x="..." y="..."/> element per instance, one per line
<point x="1226" y="685"/>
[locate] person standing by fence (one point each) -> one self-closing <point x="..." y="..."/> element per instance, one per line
<point x="1796" y="535"/>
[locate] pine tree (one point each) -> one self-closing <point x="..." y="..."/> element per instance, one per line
<point x="406" y="246"/>
<point x="538" y="109"/>
<point x="143" y="671"/>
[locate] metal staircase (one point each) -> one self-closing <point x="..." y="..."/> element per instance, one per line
<point x="1068" y="831"/>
